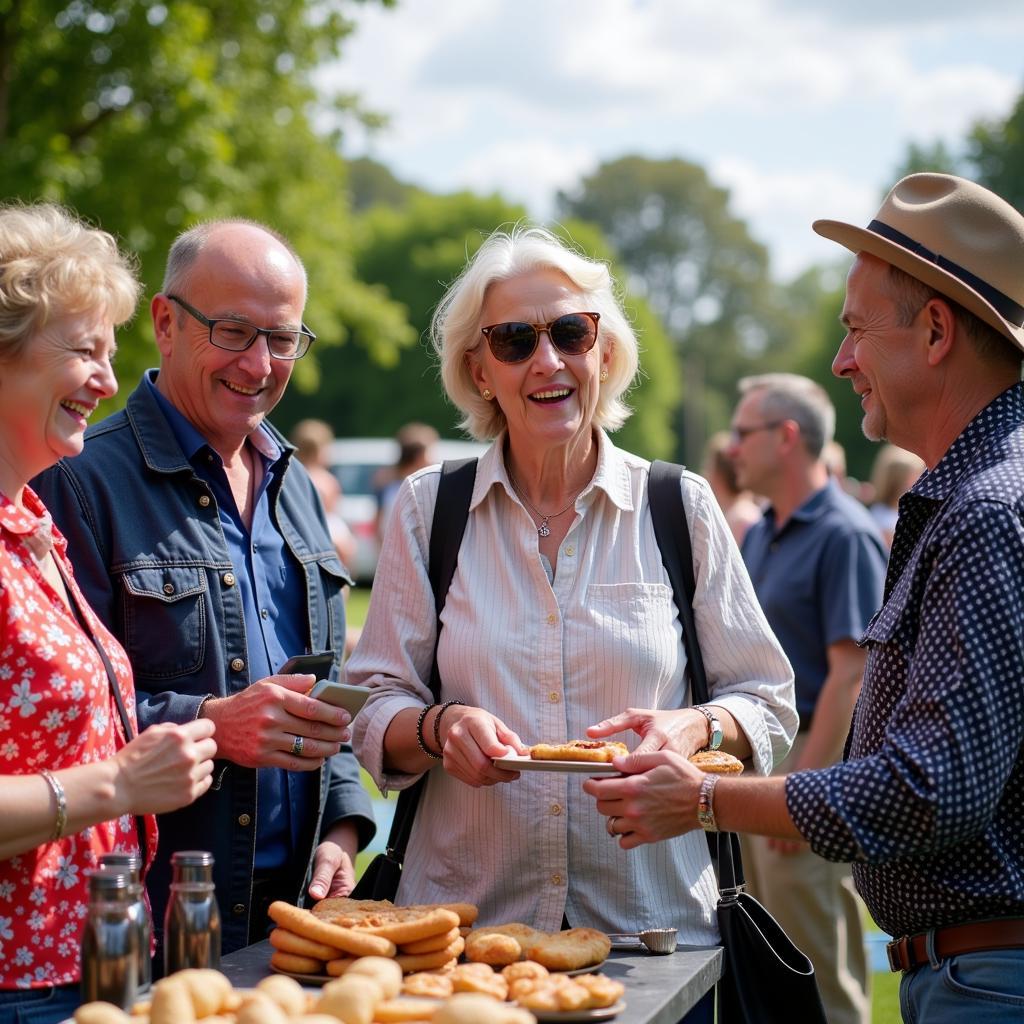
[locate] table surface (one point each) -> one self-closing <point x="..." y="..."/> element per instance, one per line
<point x="659" y="989"/>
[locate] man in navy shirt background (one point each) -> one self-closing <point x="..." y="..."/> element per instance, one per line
<point x="817" y="564"/>
<point x="202" y="544"/>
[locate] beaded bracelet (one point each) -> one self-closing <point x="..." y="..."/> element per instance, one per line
<point x="419" y="732"/>
<point x="437" y="721"/>
<point x="61" y="821"/>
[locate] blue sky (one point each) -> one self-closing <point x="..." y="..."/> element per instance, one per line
<point x="801" y="108"/>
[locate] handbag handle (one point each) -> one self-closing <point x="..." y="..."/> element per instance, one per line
<point x="668" y="513"/>
<point x="451" y="512"/>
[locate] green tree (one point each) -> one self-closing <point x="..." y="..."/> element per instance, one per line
<point x="995" y="152"/>
<point x="696" y="264"/>
<point x="414" y="251"/>
<point x="147" y="117"/>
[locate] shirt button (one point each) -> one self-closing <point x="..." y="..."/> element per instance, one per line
<point x="168" y="588"/>
<point x="228" y="579"/>
<point x="237" y="664"/>
<point x="570" y="550"/>
<point x="204" y="501"/>
<point x="556" y="879"/>
<point x="554" y="697"/>
<point x="238" y="909"/>
<point x="244" y="819"/>
<point x="556" y="809"/>
<point x="264" y="613"/>
<point x="552" y="619"/>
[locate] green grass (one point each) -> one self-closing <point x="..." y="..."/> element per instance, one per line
<point x="885" y="1002"/>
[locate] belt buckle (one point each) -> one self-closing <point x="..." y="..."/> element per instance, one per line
<point x="896" y="951"/>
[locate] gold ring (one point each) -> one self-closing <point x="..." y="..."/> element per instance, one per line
<point x="297" y="745"/>
<point x="610" y="825"/>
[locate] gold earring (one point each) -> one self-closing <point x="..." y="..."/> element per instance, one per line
<point x="487" y="394"/>
<point x="604" y="374"/>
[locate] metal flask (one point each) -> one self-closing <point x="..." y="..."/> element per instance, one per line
<point x="131" y="862"/>
<point x="192" y="921"/>
<point x="110" y="940"/>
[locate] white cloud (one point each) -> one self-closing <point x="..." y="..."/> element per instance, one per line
<point x="779" y="98"/>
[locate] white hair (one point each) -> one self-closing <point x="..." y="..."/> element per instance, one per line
<point x="455" y="327"/>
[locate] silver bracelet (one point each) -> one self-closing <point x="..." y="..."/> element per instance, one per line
<point x="61" y="822"/>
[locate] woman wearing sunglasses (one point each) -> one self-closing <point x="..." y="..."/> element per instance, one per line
<point x="559" y="616"/>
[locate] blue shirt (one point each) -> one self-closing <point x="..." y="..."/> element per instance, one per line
<point x="929" y="803"/>
<point x="818" y="580"/>
<point x="274" y="606"/>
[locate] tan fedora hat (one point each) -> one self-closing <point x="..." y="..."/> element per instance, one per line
<point x="955" y="236"/>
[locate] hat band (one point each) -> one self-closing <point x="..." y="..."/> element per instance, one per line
<point x="999" y="301"/>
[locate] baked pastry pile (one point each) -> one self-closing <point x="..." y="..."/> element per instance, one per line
<point x="569" y="950"/>
<point x="579" y="750"/>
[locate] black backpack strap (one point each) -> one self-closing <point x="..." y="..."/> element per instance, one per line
<point x="665" y="496"/>
<point x="451" y="512"/>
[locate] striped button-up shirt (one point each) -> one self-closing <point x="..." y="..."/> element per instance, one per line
<point x="550" y="659"/>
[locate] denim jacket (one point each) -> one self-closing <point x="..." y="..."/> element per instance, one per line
<point x="145" y="539"/>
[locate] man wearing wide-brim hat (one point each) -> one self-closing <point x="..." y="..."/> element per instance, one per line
<point x="929" y="802"/>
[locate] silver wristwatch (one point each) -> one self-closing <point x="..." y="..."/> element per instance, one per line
<point x="714" y="726"/>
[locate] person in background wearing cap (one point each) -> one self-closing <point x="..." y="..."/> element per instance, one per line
<point x="927" y="803"/>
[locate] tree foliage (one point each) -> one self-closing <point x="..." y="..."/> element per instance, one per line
<point x="696" y="264"/>
<point x="147" y="117"/>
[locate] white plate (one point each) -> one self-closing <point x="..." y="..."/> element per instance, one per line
<point x="581" y="970"/>
<point x="518" y="763"/>
<point x="604" y="1013"/>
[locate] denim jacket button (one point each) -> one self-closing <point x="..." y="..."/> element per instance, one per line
<point x="237" y="664"/>
<point x="244" y="819"/>
<point x="228" y="579"/>
<point x="204" y="501"/>
<point x="168" y="588"/>
<point x="238" y="909"/>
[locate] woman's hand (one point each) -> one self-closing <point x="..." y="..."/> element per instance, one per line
<point x="470" y="737"/>
<point x="684" y="730"/>
<point x="654" y="800"/>
<point x="165" y="767"/>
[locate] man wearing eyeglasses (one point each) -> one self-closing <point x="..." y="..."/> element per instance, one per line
<point x="818" y="565"/>
<point x="202" y="544"/>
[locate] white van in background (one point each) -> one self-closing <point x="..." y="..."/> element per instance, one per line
<point x="358" y="463"/>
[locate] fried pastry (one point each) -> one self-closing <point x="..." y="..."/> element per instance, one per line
<point x="717" y="762"/>
<point x="578" y="750"/>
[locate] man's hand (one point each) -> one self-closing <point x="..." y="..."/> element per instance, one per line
<point x="257" y="727"/>
<point x="334" y="872"/>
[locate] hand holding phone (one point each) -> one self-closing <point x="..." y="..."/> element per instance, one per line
<point x="319" y="665"/>
<point x="341" y="695"/>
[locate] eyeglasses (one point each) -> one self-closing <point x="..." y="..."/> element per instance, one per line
<point x="737" y="434"/>
<point x="237" y="335"/>
<point x="572" y="334"/>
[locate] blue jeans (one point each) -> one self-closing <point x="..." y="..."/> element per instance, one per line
<point x="39" y="1005"/>
<point x="982" y="988"/>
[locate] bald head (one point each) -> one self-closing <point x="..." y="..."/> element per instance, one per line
<point x="244" y="242"/>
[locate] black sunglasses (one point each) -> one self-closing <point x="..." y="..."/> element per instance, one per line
<point x="572" y="334"/>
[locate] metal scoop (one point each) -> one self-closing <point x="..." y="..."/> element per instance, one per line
<point x="656" y="940"/>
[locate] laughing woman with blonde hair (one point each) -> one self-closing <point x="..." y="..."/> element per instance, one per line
<point x="559" y="616"/>
<point x="74" y="778"/>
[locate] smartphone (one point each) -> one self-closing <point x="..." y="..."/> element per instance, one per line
<point x="341" y="695"/>
<point x="319" y="665"/>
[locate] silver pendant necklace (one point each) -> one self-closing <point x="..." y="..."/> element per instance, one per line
<point x="543" y="530"/>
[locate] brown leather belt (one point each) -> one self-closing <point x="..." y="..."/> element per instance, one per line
<point x="999" y="933"/>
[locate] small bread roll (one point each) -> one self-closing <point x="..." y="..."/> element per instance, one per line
<point x="171" y="1003"/>
<point x="286" y="992"/>
<point x="385" y="972"/>
<point x="261" y="1009"/>
<point x="209" y="989"/>
<point x="101" y="1013"/>
<point x="470" y="1008"/>
<point x="351" y="1000"/>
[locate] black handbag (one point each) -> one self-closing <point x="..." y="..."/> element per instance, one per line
<point x="767" y="980"/>
<point x="451" y="510"/>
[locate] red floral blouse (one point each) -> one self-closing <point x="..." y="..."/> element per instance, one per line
<point x="56" y="711"/>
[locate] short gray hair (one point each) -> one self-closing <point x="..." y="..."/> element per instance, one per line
<point x="788" y="396"/>
<point x="53" y="264"/>
<point x="188" y="246"/>
<point x="455" y="327"/>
